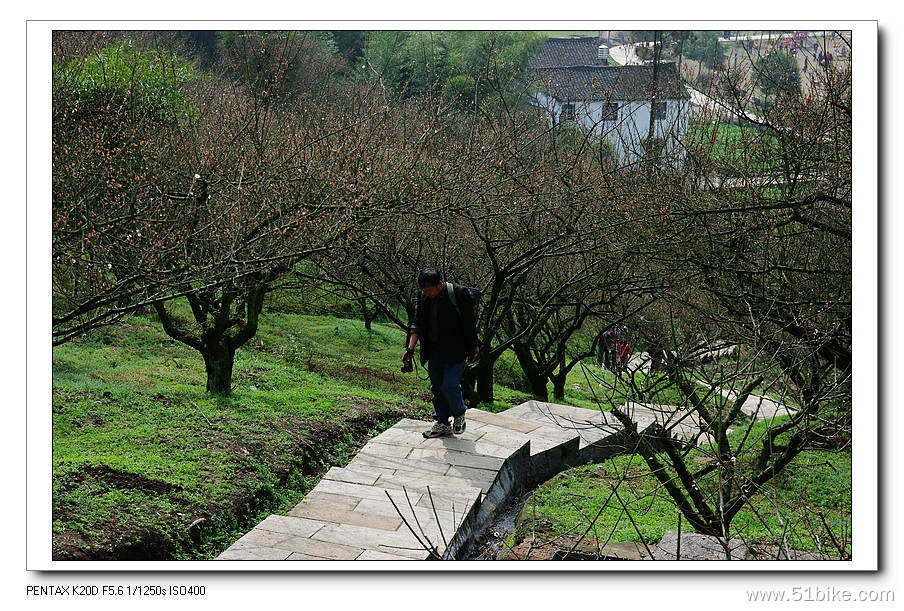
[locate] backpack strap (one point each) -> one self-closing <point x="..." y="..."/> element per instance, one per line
<point x="451" y="293"/>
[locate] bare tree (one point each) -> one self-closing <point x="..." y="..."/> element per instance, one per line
<point x="212" y="193"/>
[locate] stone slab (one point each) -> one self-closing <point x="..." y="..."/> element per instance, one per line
<point x="364" y="492"/>
<point x="454" y="457"/>
<point x="401" y="543"/>
<point x="681" y="423"/>
<point x="413" y="481"/>
<point x="509" y="439"/>
<point x="299" y="556"/>
<point x="324" y="550"/>
<point x="253" y="552"/>
<point x="457" y="506"/>
<point x="756" y="407"/>
<point x="290" y="525"/>
<point x="422" y="514"/>
<point x="695" y="546"/>
<point x="340" y="474"/>
<point x="471" y="447"/>
<point x="501" y="421"/>
<point x="325" y="512"/>
<point x="340" y="500"/>
<point x="370" y="554"/>
<point x="551" y="426"/>
<point x="386" y="450"/>
<point x="397" y="464"/>
<point x="483" y="477"/>
<point x="408" y="437"/>
<point x="274" y="540"/>
<point x="417" y="491"/>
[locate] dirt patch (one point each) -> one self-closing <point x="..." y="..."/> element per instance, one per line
<point x="114" y="478"/>
<point x="111" y="541"/>
<point x="373" y="373"/>
<point x="515" y="401"/>
<point x="356" y="372"/>
<point x="550" y="547"/>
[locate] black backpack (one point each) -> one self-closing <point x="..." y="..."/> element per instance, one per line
<point x="473" y="296"/>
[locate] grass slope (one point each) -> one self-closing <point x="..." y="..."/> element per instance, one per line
<point x="789" y="509"/>
<point x="147" y="465"/>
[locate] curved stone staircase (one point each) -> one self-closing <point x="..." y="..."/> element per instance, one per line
<point x="404" y="497"/>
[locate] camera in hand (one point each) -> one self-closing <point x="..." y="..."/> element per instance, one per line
<point x="408" y="361"/>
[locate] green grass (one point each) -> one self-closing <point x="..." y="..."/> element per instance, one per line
<point x="732" y="148"/>
<point x="815" y="483"/>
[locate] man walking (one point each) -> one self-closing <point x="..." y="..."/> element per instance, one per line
<point x="444" y="323"/>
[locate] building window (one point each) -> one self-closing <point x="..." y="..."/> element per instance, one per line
<point x="659" y="110"/>
<point x="610" y="112"/>
<point x="567" y="112"/>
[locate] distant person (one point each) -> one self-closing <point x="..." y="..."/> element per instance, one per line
<point x="446" y="327"/>
<point x="622" y="347"/>
<point x="604" y="345"/>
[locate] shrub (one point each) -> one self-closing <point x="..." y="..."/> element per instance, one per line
<point x="121" y="78"/>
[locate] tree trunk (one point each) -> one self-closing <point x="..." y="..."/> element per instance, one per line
<point x="531" y="371"/>
<point x="366" y="314"/>
<point x="558" y="384"/>
<point x="485" y="383"/>
<point x="481" y="376"/>
<point x="218" y="362"/>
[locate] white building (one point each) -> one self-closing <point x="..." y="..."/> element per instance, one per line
<point x="573" y="83"/>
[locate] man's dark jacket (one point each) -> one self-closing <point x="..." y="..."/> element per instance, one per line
<point x="456" y="338"/>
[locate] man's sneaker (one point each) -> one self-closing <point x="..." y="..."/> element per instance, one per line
<point x="440" y="429"/>
<point x="458" y="424"/>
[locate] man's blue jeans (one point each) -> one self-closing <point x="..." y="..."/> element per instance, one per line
<point x="445" y="384"/>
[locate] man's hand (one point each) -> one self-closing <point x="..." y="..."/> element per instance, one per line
<point x="473" y="356"/>
<point x="409" y="352"/>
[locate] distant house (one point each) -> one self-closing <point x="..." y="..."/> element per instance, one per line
<point x="574" y="83"/>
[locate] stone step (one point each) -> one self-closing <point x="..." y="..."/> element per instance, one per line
<point x="516" y="426"/>
<point x="681" y="423"/>
<point x="558" y="421"/>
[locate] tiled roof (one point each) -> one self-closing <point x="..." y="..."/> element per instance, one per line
<point x="565" y="52"/>
<point x="610" y="83"/>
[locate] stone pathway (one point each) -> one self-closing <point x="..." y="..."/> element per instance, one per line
<point x="755" y="407"/>
<point x="403" y="497"/>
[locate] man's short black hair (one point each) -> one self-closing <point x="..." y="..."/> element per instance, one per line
<point x="428" y="277"/>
